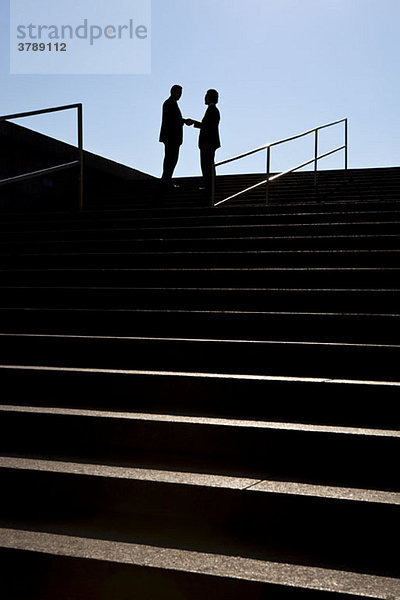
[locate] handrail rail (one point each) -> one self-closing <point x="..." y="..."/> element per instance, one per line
<point x="282" y="141"/>
<point x="56" y="168"/>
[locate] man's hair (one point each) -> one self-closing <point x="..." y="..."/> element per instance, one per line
<point x="176" y="88"/>
<point x="213" y="95"/>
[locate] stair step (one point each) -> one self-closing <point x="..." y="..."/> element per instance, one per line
<point x="86" y="222"/>
<point x="89" y="565"/>
<point x="369" y="328"/>
<point x="310" y="359"/>
<point x="235" y="244"/>
<point x="208" y="481"/>
<point x="201" y="231"/>
<point x="205" y="277"/>
<point x="229" y="241"/>
<point x="273" y="398"/>
<point x="324" y="454"/>
<point x="207" y="258"/>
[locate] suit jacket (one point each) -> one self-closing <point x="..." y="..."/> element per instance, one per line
<point x="172" y="123"/>
<point x="209" y="134"/>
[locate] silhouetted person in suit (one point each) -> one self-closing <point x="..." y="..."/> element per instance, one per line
<point x="208" y="139"/>
<point x="171" y="133"/>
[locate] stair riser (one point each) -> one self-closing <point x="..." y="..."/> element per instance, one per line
<point x="279" y="300"/>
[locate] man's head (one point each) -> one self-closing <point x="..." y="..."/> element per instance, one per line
<point x="212" y="97"/>
<point x="176" y="92"/>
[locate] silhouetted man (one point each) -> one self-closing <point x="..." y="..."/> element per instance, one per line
<point x="209" y="139"/>
<point x="171" y="133"/>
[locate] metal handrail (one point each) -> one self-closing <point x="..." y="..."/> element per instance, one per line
<point x="268" y="148"/>
<point x="56" y="168"/>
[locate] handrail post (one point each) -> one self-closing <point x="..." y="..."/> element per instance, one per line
<point x="316" y="164"/>
<point x="345" y="144"/>
<point x="80" y="146"/>
<point x="268" y="174"/>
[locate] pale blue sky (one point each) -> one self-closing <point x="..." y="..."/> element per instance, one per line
<point x="281" y="67"/>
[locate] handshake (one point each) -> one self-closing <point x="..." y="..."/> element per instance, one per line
<point x="188" y="122"/>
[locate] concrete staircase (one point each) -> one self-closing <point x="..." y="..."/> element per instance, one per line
<point x="203" y="402"/>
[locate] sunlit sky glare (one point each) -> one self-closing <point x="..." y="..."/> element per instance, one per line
<point x="280" y="66"/>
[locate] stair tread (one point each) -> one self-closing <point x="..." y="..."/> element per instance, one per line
<point x="217" y="565"/>
<point x="204" y="420"/>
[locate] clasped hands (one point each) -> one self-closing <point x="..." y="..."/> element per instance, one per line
<point x="188" y="122"/>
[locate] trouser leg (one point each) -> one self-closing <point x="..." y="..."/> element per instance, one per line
<point x="207" y="158"/>
<point x="170" y="161"/>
